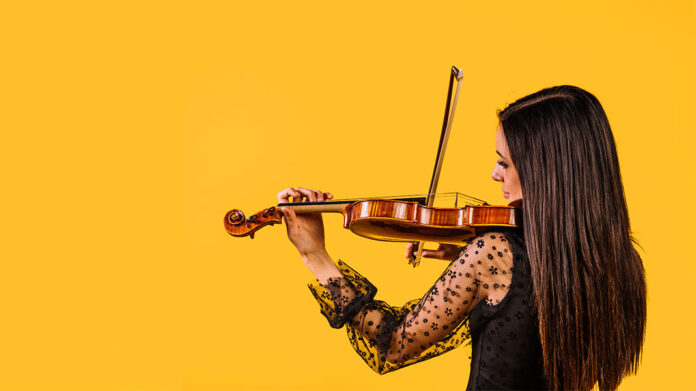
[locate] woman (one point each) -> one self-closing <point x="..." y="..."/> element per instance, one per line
<point x="558" y="304"/>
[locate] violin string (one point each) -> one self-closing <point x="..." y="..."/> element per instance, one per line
<point x="440" y="196"/>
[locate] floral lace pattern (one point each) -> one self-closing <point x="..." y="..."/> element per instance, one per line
<point x="342" y="297"/>
<point x="388" y="337"/>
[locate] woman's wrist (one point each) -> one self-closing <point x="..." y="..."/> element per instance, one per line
<point x="321" y="265"/>
<point x="319" y="251"/>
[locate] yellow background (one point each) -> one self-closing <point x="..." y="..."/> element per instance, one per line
<point x="130" y="128"/>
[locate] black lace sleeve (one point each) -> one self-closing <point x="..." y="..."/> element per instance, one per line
<point x="341" y="298"/>
<point x="388" y="337"/>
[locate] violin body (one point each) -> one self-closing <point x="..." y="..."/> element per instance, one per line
<point x="391" y="220"/>
<point x="398" y="221"/>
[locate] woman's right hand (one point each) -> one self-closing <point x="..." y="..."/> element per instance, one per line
<point x="305" y="231"/>
<point x="444" y="251"/>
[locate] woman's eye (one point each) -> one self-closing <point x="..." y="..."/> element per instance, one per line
<point x="502" y="164"/>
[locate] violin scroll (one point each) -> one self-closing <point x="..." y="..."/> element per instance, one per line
<point x="237" y="225"/>
<point x="235" y="217"/>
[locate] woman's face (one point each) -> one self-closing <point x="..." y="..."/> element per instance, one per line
<point x="504" y="171"/>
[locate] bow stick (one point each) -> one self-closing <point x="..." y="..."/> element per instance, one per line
<point x="446" y="126"/>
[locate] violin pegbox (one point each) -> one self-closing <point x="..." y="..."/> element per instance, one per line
<point x="237" y="225"/>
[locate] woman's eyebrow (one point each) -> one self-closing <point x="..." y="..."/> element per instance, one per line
<point x="498" y="153"/>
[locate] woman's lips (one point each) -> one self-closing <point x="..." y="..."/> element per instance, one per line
<point x="506" y="195"/>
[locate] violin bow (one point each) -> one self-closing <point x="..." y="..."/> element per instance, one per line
<point x="450" y="107"/>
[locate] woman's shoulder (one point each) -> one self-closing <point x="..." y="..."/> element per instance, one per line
<point x="502" y="249"/>
<point x="488" y="261"/>
<point x="510" y="238"/>
<point x="493" y="240"/>
<point x="490" y="248"/>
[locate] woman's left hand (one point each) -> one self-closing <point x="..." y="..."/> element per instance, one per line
<point x="305" y="231"/>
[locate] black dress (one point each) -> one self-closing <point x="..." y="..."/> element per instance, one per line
<point x="482" y="298"/>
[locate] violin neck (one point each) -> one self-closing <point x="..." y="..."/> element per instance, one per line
<point x="316" y="207"/>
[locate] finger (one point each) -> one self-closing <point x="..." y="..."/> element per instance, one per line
<point x="297" y="196"/>
<point x="284" y="195"/>
<point x="318" y="194"/>
<point x="328" y="196"/>
<point x="437" y="254"/>
<point x="409" y="250"/>
<point x="289" y="214"/>
<point x="311" y="196"/>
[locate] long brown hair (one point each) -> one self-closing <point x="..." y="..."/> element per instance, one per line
<point x="589" y="281"/>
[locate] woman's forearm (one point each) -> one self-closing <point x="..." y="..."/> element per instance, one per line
<point x="321" y="265"/>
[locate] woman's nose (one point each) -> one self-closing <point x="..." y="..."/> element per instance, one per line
<point x="496" y="175"/>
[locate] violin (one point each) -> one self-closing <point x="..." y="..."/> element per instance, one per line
<point x="393" y="220"/>
<point x="399" y="219"/>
